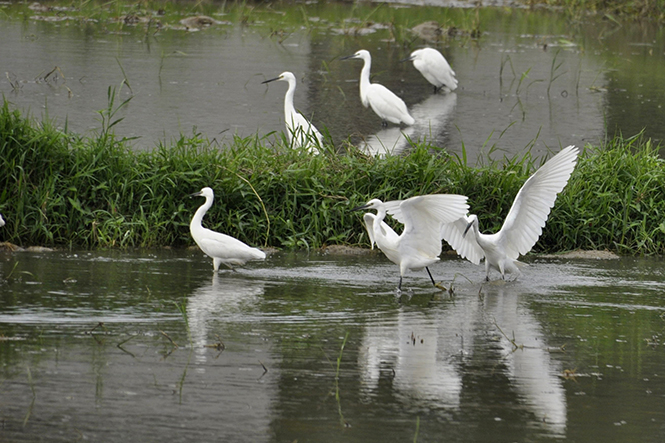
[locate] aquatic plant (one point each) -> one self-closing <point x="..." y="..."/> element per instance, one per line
<point x="62" y="189"/>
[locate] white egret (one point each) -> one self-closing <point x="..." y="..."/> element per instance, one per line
<point x="220" y="247"/>
<point x="423" y="217"/>
<point x="2" y="221"/>
<point x="434" y="67"/>
<point x="384" y="102"/>
<point x="524" y="222"/>
<point x="299" y="131"/>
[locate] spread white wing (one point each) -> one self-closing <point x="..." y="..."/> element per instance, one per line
<point x="423" y="217"/>
<point x="465" y="245"/>
<point x="528" y="214"/>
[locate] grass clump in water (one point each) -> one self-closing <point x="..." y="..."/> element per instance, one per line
<point x="61" y="189"/>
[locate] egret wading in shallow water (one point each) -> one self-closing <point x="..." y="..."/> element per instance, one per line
<point x="383" y="102"/>
<point x="434" y="67"/>
<point x="524" y="222"/>
<point x="220" y="247"/>
<point x="299" y="131"/>
<point x="423" y="217"/>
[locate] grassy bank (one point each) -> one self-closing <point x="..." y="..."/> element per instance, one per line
<point x="60" y="189"/>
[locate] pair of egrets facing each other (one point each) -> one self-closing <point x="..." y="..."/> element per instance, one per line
<point x="428" y="219"/>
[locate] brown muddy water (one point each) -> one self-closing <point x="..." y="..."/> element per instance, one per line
<point x="533" y="79"/>
<point x="151" y="346"/>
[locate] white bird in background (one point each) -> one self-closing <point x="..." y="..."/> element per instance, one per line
<point x="524" y="223"/>
<point x="434" y="67"/>
<point x="2" y="221"/>
<point x="384" y="103"/>
<point x="423" y="218"/>
<point x="299" y="131"/>
<point x="220" y="247"/>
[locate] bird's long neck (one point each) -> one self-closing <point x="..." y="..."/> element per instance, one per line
<point x="198" y="216"/>
<point x="379" y="235"/>
<point x="480" y="238"/>
<point x="364" y="81"/>
<point x="289" y="109"/>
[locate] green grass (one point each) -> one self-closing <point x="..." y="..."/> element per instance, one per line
<point x="64" y="190"/>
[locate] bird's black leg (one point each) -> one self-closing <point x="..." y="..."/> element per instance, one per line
<point x="436" y="89"/>
<point x="399" y="286"/>
<point x="384" y="123"/>
<point x="436" y="285"/>
<point x="430" y="275"/>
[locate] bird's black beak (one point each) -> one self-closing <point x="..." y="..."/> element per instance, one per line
<point x="271" y="80"/>
<point x="196" y="194"/>
<point x="359" y="208"/>
<point x="348" y="57"/>
<point x="467" y="228"/>
<point x="408" y="59"/>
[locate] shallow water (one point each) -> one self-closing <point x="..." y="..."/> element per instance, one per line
<point x="533" y="78"/>
<point x="118" y="346"/>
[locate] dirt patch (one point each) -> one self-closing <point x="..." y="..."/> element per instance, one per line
<point x="587" y="255"/>
<point x="345" y="250"/>
<point x="7" y="246"/>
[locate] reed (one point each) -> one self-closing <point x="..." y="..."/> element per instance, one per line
<point x="61" y="189"/>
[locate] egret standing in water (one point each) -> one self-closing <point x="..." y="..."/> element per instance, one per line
<point x="524" y="223"/>
<point x="299" y="131"/>
<point x="384" y="102"/>
<point x="423" y="218"/>
<point x="220" y="247"/>
<point x="434" y="67"/>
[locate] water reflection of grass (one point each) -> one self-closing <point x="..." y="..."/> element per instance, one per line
<point x="62" y="189"/>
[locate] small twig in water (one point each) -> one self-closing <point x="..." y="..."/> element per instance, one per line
<point x="512" y="341"/>
<point x="265" y="370"/>
<point x="175" y="345"/>
<point x="219" y="346"/>
<point x="343" y="422"/>
<point x="119" y="345"/>
<point x="34" y="397"/>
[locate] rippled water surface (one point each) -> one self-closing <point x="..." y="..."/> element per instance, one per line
<point x="532" y="78"/>
<point x="151" y="346"/>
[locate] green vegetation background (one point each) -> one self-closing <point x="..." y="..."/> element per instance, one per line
<point x="64" y="190"/>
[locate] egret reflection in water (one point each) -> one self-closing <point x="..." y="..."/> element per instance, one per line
<point x="531" y="367"/>
<point x="388" y="141"/>
<point x="426" y="354"/>
<point x="223" y="298"/>
<point x="432" y="116"/>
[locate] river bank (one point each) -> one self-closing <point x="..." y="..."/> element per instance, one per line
<point x="65" y="190"/>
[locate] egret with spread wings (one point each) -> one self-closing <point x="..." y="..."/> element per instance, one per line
<point x="423" y="217"/>
<point x="524" y="223"/>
